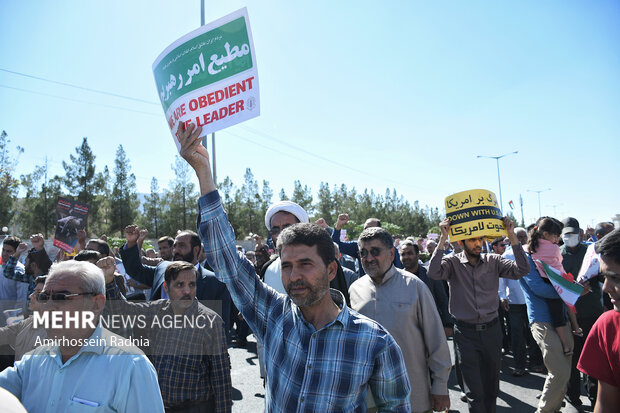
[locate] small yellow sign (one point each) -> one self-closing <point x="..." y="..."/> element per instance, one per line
<point x="474" y="214"/>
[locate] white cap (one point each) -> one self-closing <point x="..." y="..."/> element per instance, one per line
<point x="285" y="206"/>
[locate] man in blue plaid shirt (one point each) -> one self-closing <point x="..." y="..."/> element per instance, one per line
<point x="320" y="356"/>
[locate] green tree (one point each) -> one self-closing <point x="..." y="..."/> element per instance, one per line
<point x="38" y="207"/>
<point x="82" y="182"/>
<point x="266" y="196"/>
<point x="231" y="201"/>
<point x="282" y="195"/>
<point x="124" y="202"/>
<point x="302" y="196"/>
<point x="8" y="183"/>
<point x="152" y="210"/>
<point x="180" y="201"/>
<point x="251" y="201"/>
<point x="104" y="202"/>
<point x="325" y="207"/>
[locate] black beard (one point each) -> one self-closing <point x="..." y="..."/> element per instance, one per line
<point x="188" y="257"/>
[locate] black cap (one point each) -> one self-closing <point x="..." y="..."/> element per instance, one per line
<point x="571" y="226"/>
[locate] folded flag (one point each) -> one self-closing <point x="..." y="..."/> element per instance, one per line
<point x="568" y="291"/>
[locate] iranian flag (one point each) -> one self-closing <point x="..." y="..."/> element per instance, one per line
<point x="568" y="291"/>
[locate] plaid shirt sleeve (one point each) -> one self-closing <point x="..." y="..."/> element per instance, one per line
<point x="13" y="272"/>
<point x="250" y="295"/>
<point x="390" y="383"/>
<point x="116" y="303"/>
<point x="219" y="367"/>
<point x="221" y="384"/>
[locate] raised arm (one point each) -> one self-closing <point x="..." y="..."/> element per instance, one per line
<point x="130" y="254"/>
<point x="346" y="247"/>
<point x="519" y="267"/>
<point x="250" y="295"/>
<point x="115" y="302"/>
<point x="438" y="268"/>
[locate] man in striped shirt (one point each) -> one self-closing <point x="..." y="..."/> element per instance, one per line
<point x="320" y="355"/>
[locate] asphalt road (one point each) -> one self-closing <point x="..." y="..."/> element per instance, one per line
<point x="517" y="394"/>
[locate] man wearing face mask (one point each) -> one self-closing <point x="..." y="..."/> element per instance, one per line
<point x="588" y="306"/>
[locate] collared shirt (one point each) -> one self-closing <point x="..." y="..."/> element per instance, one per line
<point x="273" y="276"/>
<point x="438" y="290"/>
<point x="101" y="377"/>
<point x="308" y="370"/>
<point x="404" y="305"/>
<point x="13" y="271"/>
<point x="22" y="336"/>
<point x="510" y="289"/>
<point x="191" y="359"/>
<point x="473" y="289"/>
<point x="13" y="282"/>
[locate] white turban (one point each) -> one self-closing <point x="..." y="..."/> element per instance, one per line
<point x="285" y="206"/>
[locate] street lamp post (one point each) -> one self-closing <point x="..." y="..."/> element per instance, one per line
<point x="499" y="182"/>
<point x="538" y="192"/>
<point x="204" y="138"/>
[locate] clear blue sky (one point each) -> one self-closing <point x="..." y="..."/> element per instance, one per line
<point x="397" y="94"/>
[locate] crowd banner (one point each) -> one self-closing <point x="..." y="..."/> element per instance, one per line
<point x="474" y="214"/>
<point x="71" y="217"/>
<point x="208" y="77"/>
<point x="590" y="265"/>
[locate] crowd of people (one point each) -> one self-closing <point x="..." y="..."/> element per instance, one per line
<point x="340" y="325"/>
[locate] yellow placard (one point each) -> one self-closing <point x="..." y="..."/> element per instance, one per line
<point x="474" y="214"/>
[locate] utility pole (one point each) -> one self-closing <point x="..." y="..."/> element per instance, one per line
<point x="46" y="215"/>
<point x="538" y="192"/>
<point x="204" y="139"/>
<point x="522" y="218"/>
<point x="499" y="182"/>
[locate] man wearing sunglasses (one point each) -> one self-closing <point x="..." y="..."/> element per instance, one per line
<point x="474" y="282"/>
<point x="404" y="305"/>
<point x="350" y="247"/>
<point x="79" y="367"/>
<point x="498" y="245"/>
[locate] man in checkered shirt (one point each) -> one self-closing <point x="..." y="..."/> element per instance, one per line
<point x="187" y="344"/>
<point x="320" y="355"/>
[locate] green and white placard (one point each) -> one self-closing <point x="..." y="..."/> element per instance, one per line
<point x="208" y="77"/>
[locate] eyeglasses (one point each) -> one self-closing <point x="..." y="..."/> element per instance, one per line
<point x="277" y="230"/>
<point x="374" y="251"/>
<point x="45" y="297"/>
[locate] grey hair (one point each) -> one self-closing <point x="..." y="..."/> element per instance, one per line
<point x="91" y="277"/>
<point x="376" y="233"/>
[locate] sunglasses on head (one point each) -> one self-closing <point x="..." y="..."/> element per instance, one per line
<point x="374" y="251"/>
<point x="45" y="297"/>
